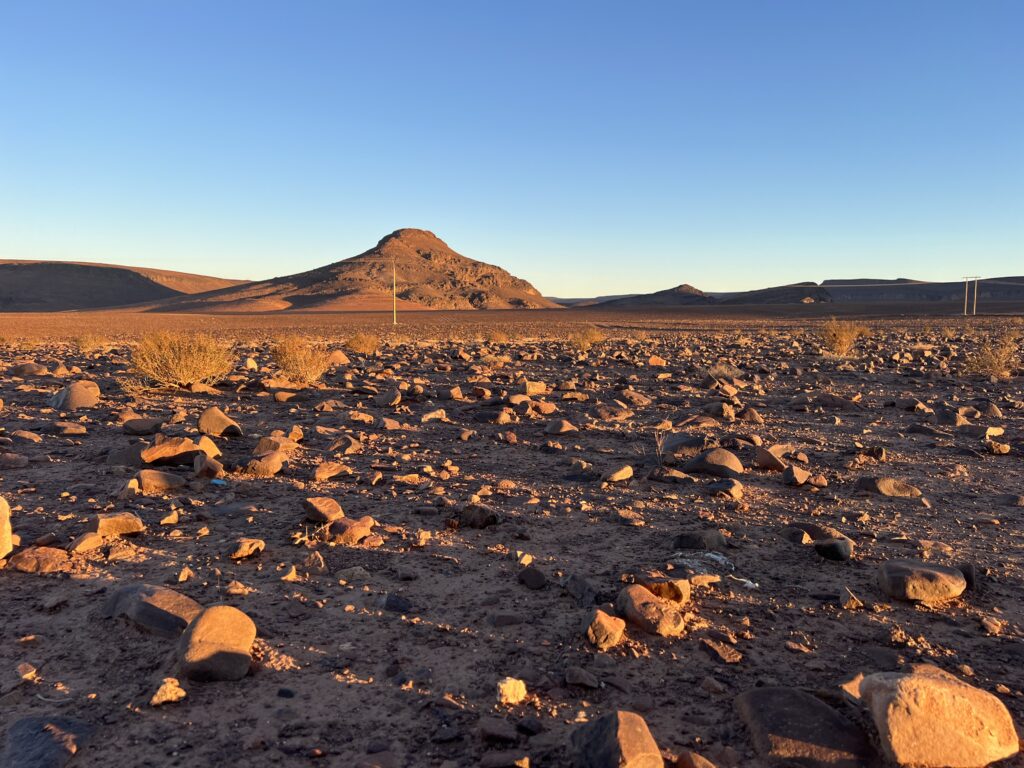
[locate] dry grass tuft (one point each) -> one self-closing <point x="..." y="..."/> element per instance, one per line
<point x="586" y="337"/>
<point x="90" y="342"/>
<point x="180" y="359"/>
<point x="495" y="336"/>
<point x="725" y="370"/>
<point x="840" y="336"/>
<point x="994" y="356"/>
<point x="363" y="343"/>
<point x="300" y="359"/>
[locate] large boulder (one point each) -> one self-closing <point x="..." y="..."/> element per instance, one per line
<point x="214" y="422"/>
<point x="80" y="394"/>
<point x="717" y="461"/>
<point x="930" y="719"/>
<point x="619" y="739"/>
<point x="217" y="645"/>
<point x="648" y="612"/>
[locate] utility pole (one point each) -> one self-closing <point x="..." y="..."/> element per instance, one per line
<point x="394" y="295"/>
<point x="967" y="291"/>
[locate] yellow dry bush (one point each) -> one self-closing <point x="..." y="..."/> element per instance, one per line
<point x="586" y="337"/>
<point x="180" y="359"/>
<point x="993" y="356"/>
<point x="301" y="359"/>
<point x="840" y="336"/>
<point x="495" y="336"/>
<point x="363" y="343"/>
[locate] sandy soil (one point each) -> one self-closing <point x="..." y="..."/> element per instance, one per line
<point x="389" y="652"/>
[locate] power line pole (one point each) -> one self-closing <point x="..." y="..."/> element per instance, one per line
<point x="976" y="281"/>
<point x="394" y="295"/>
<point x="967" y="292"/>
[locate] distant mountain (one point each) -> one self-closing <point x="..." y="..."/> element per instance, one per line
<point x="672" y="297"/>
<point x="428" y="275"/>
<point x="856" y="291"/>
<point x="58" y="286"/>
<point x="588" y="302"/>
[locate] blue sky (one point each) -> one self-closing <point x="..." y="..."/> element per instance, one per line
<point x="592" y="147"/>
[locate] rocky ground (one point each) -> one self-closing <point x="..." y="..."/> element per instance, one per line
<point x="719" y="548"/>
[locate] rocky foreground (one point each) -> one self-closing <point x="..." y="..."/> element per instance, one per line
<point x="686" y="550"/>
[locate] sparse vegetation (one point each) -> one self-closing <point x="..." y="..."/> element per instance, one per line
<point x="495" y="336"/>
<point x="179" y="359"/>
<point x="90" y="342"/>
<point x="840" y="336"/>
<point x="724" y="370"/>
<point x="994" y="356"/>
<point x="301" y="359"/>
<point x="586" y="337"/>
<point x="363" y="343"/>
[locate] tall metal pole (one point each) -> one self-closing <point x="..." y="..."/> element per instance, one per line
<point x="394" y="295"/>
<point x="967" y="291"/>
<point x="975" y="310"/>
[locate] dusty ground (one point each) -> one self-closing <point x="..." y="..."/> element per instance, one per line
<point x="341" y="678"/>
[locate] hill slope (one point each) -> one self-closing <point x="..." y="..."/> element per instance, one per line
<point x="428" y="274"/>
<point x="59" y="286"/>
<point x="858" y="291"/>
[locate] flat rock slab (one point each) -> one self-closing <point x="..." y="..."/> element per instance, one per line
<point x="44" y="742"/>
<point x="159" y="610"/>
<point x="791" y="727"/>
<point x="920" y="582"/>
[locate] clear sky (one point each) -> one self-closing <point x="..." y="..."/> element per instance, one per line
<point x="590" y="147"/>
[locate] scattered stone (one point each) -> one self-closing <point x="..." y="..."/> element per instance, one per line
<point x="156" y="609"/>
<point x="888" y="486"/>
<point x="511" y="691"/>
<point x="604" y="630"/>
<point x="109" y="524"/>
<point x="648" y="612"/>
<point x="44" y="742"/>
<point x="214" y="422"/>
<point x="618" y="739"/>
<point x="80" y="394"/>
<point x="170" y="691"/>
<point x="716" y="461"/>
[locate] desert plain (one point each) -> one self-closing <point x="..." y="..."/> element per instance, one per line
<point x="547" y="538"/>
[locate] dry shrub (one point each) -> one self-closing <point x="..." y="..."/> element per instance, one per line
<point x="363" y="343"/>
<point x="993" y="356"/>
<point x="840" y="336"/>
<point x="300" y="359"/>
<point x="90" y="342"/>
<point x="495" y="336"/>
<point x="724" y="370"/>
<point x="180" y="359"/>
<point x="586" y="337"/>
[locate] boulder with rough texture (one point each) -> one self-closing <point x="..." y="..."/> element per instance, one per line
<point x="214" y="422"/>
<point x="159" y="610"/>
<point x="604" y="630"/>
<point x="80" y="394"/>
<point x="619" y="739"/>
<point x="920" y="582"/>
<point x="792" y="727"/>
<point x="40" y="560"/>
<point x="648" y="612"/>
<point x="322" y="509"/>
<point x="717" y="461"/>
<point x="930" y="719"/>
<point x="216" y="645"/>
<point x="117" y="524"/>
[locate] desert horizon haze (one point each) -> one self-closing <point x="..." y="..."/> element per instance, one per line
<point x="533" y="385"/>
